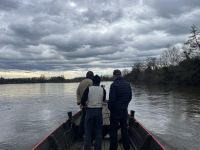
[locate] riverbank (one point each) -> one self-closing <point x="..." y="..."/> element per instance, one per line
<point x="186" y="73"/>
<point x="42" y="79"/>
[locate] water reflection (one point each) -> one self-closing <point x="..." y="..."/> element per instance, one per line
<point x="30" y="111"/>
<point x="170" y="113"/>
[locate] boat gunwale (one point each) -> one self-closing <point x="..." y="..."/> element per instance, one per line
<point x="150" y="134"/>
<point x="45" y="137"/>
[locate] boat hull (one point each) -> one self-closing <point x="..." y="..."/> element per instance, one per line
<point x="66" y="136"/>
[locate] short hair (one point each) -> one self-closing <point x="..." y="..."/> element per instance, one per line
<point x="89" y="74"/>
<point x="96" y="79"/>
<point x="117" y="72"/>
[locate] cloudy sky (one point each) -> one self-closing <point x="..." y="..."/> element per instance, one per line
<point x="57" y="37"/>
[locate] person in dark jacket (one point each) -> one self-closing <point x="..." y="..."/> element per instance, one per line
<point x="119" y="97"/>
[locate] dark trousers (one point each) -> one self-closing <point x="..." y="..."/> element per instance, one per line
<point x="93" y="124"/>
<point x="119" y="119"/>
<point x="82" y="122"/>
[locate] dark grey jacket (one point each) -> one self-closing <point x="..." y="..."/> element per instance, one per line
<point x="120" y="95"/>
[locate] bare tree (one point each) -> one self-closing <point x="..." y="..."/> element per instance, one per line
<point x="164" y="59"/>
<point x="125" y="72"/>
<point x="137" y="66"/>
<point x="42" y="78"/>
<point x="171" y="56"/>
<point x="193" y="43"/>
<point x="136" y="70"/>
<point x="174" y="56"/>
<point x="151" y="62"/>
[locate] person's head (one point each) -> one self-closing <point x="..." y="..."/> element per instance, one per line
<point x="90" y="75"/>
<point x="117" y="73"/>
<point x="96" y="80"/>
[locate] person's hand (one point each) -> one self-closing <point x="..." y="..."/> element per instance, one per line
<point x="103" y="86"/>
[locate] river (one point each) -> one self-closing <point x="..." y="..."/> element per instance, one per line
<point x="28" y="112"/>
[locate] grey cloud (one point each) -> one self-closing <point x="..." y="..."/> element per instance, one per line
<point x="180" y="24"/>
<point x="35" y="65"/>
<point x="149" y="53"/>
<point x="50" y="7"/>
<point x="62" y="43"/>
<point x="28" y="31"/>
<point x="82" y="38"/>
<point x="172" y="8"/>
<point x="79" y="61"/>
<point x="86" y="51"/>
<point x="176" y="25"/>
<point x="122" y="56"/>
<point x="31" y="33"/>
<point x="64" y="35"/>
<point x="9" y="4"/>
<point x="90" y="11"/>
<point x="94" y="15"/>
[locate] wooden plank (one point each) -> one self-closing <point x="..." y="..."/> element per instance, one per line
<point x="77" y="146"/>
<point x="106" y="144"/>
<point x="120" y="147"/>
<point x="106" y="114"/>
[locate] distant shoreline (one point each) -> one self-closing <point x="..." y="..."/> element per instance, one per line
<point x="59" y="79"/>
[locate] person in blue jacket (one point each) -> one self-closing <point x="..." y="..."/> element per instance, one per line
<point x="119" y="97"/>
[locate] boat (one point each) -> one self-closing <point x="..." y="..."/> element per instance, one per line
<point x="66" y="137"/>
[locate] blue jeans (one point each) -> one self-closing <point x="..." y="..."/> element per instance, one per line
<point x="93" y="124"/>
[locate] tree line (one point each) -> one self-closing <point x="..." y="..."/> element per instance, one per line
<point x="175" y="65"/>
<point x="43" y="79"/>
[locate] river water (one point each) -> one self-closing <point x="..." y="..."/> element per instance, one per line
<point x="28" y="112"/>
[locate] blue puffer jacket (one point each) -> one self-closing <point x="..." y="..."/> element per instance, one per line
<point x="120" y="95"/>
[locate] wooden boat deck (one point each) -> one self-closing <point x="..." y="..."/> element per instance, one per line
<point x="105" y="145"/>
